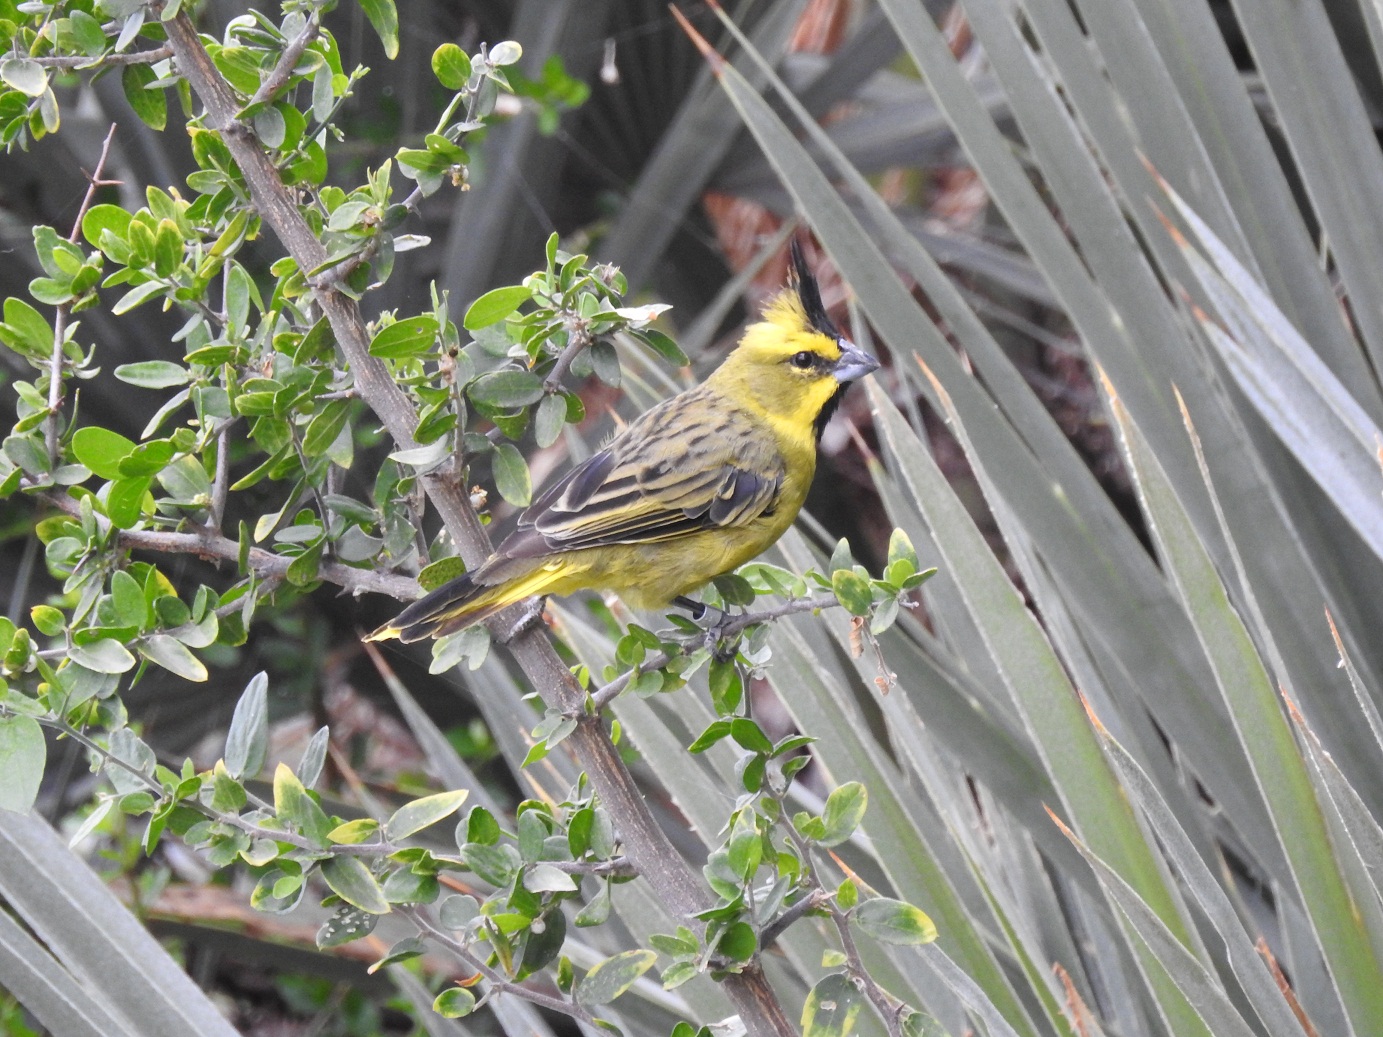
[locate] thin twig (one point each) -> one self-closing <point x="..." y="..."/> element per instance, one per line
<point x="811" y="902"/>
<point x="55" y="387"/>
<point x="276" y="80"/>
<point x="138" y="57"/>
<point x="889" y="1008"/>
<point x="727" y="627"/>
<point x="220" y="484"/>
<point x="579" y="339"/>
<point x="615" y="867"/>
<point x="498" y="983"/>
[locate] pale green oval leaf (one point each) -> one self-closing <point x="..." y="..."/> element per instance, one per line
<point x="105" y="655"/>
<point x="495" y="305"/>
<point x="512" y="477"/>
<point x="101" y="450"/>
<point x="153" y="374"/>
<point x="613" y="976"/>
<point x="22" y="755"/>
<point x="172" y="655"/>
<point x="350" y="880"/>
<point x="892" y="921"/>
<point x="451" y="66"/>
<point x="419" y="814"/>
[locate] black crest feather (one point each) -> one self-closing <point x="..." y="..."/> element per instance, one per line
<point x="810" y="295"/>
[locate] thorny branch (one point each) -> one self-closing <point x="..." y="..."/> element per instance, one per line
<point x="647" y="845"/>
<point x="288" y="60"/>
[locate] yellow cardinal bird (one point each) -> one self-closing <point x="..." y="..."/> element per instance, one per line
<point x="695" y="487"/>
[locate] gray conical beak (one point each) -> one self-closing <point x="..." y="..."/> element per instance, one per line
<point x="854" y="362"/>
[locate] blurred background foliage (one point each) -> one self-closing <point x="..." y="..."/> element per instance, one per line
<point x="1000" y="217"/>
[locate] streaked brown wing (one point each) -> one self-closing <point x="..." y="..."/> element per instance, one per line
<point x="688" y="464"/>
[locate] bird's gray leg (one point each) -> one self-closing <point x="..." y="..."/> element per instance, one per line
<point x="698" y="609"/>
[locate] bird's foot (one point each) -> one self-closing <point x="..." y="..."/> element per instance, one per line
<point x="530" y="614"/>
<point x="715" y="631"/>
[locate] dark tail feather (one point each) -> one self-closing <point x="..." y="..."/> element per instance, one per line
<point x="443" y="611"/>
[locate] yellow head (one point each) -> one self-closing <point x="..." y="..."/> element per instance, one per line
<point x="793" y="364"/>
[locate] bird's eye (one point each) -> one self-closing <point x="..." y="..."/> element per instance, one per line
<point x="803" y="360"/>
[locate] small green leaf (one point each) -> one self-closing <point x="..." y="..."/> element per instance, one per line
<point x="127" y="600"/>
<point x="750" y="736"/>
<point x="892" y="921"/>
<point x="248" y="739"/>
<point x="544" y="878"/>
<point x="451" y="66"/>
<point x="495" y="305"/>
<point x="454" y="1002"/>
<point x="146" y="459"/>
<point x="613" y="976"/>
<point x="125" y="501"/>
<point x="853" y="591"/>
<point x="505" y="52"/>
<point x="49" y="620"/>
<point x="738" y="943"/>
<point x="153" y="374"/>
<point x="25" y="330"/>
<point x="419" y="814"/>
<point x="408" y="947"/>
<point x="506" y="390"/>
<point x="25" y="75"/>
<point x="663" y="346"/>
<point x="441" y="571"/>
<point x="101" y="218"/>
<point x="297" y="809"/>
<point x="549" y="419"/>
<point x="410" y="337"/>
<point x="900" y="549"/>
<point x="22" y="755"/>
<point x="347" y="924"/>
<point x="709" y="737"/>
<point x="105" y="655"/>
<point x="831" y="1007"/>
<point x="735" y="589"/>
<point x="151" y="106"/>
<point x="385" y="19"/>
<point x="726" y="685"/>
<point x="101" y="450"/>
<point x="172" y="655"/>
<point x="845" y="809"/>
<point x="512" y="478"/>
<point x="353" y="832"/>
<point x="324" y="427"/>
